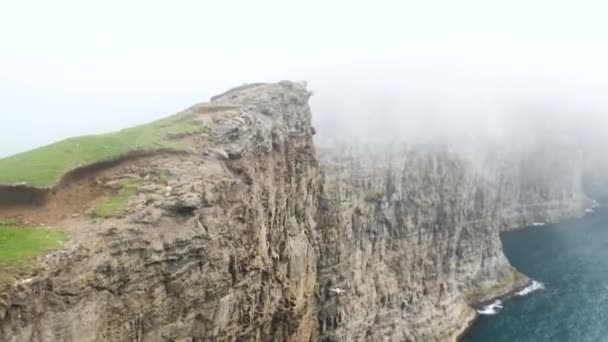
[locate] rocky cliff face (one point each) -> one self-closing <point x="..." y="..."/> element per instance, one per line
<point x="542" y="184"/>
<point x="411" y="235"/>
<point x="217" y="246"/>
<point x="250" y="237"/>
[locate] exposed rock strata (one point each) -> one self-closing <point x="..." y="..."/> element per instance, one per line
<point x="412" y="236"/>
<point x="247" y="238"/>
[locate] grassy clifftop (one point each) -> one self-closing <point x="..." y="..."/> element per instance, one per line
<point x="43" y="167"/>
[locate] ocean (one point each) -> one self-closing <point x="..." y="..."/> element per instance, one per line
<point x="569" y="262"/>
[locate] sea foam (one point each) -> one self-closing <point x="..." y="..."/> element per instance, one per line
<point x="491" y="309"/>
<point x="534" y="286"/>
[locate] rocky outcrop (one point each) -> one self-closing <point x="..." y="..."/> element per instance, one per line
<point x="217" y="246"/>
<point x="250" y="237"/>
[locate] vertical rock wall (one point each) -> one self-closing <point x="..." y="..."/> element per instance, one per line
<point x="249" y="237"/>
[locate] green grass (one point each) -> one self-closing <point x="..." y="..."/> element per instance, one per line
<point x="19" y="246"/>
<point x="43" y="167"/>
<point x="115" y="205"/>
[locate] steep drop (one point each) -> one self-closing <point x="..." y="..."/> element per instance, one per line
<point x="249" y="237"/>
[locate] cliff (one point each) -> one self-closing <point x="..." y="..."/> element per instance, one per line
<point x="412" y="235"/>
<point x="248" y="236"/>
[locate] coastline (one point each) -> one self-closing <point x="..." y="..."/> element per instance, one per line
<point x="506" y="296"/>
<point x="516" y="287"/>
<point x="590" y="203"/>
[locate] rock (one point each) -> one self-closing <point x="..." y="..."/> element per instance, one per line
<point x="113" y="184"/>
<point x="147" y="188"/>
<point x="153" y="198"/>
<point x="220" y="154"/>
<point x="189" y="200"/>
<point x="234" y="152"/>
<point x="286" y="243"/>
<point x="183" y="204"/>
<point x="148" y="215"/>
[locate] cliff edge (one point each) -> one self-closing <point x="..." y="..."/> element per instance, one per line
<point x="247" y="235"/>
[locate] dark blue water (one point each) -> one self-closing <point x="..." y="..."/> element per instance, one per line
<point x="571" y="259"/>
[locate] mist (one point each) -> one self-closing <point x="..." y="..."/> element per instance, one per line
<point x="468" y="73"/>
<point x="437" y="126"/>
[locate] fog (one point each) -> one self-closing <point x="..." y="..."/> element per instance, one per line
<point x="478" y="72"/>
<point x="407" y="103"/>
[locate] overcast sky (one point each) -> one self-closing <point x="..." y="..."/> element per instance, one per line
<point x="77" y="67"/>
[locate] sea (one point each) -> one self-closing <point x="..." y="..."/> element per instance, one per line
<point x="568" y="300"/>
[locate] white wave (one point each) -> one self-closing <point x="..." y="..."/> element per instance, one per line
<point x="538" y="224"/>
<point x="595" y="204"/>
<point x="491" y="309"/>
<point x="589" y="210"/>
<point x="534" y="286"/>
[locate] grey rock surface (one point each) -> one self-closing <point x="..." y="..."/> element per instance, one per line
<point x="251" y="237"/>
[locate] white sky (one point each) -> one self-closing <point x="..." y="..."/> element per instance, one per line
<point x="76" y="67"/>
